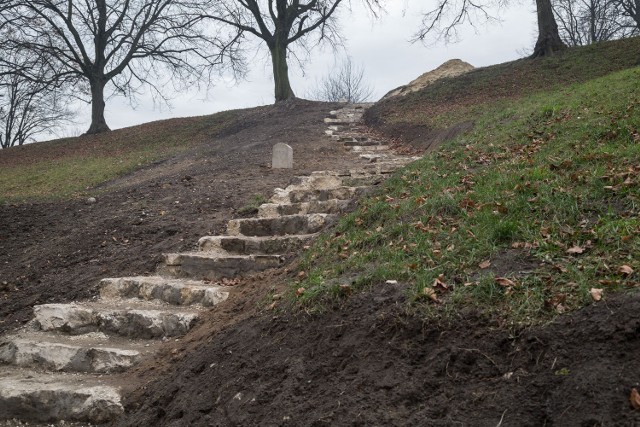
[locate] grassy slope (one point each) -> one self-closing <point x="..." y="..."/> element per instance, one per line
<point x="68" y="167"/>
<point x="450" y="101"/>
<point x="523" y="216"/>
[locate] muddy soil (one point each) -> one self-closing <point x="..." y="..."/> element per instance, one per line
<point x="372" y="363"/>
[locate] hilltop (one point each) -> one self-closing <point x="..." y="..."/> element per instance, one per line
<point x="460" y="293"/>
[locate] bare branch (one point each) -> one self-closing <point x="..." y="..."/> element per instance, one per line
<point x="343" y="83"/>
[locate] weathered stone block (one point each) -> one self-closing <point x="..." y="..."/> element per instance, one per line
<point x="282" y="156"/>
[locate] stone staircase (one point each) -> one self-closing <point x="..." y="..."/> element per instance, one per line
<point x="58" y="366"/>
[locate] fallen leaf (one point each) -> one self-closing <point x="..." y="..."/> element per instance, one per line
<point x="626" y="270"/>
<point x="634" y="399"/>
<point x="484" y="264"/>
<point x="300" y="291"/>
<point x="575" y="250"/>
<point x="431" y="294"/>
<point x="346" y="289"/>
<point x="438" y="283"/>
<point x="596" y="293"/>
<point x="503" y="281"/>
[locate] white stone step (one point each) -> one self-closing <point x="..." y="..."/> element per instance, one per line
<point x="245" y="245"/>
<point x="282" y="225"/>
<point x="342" y="121"/>
<point x="50" y="397"/>
<point x="93" y="352"/>
<point x="364" y="142"/>
<point x="313" y="182"/>
<point x="333" y="206"/>
<point x="171" y="291"/>
<point x="213" y="266"/>
<point x="368" y="148"/>
<point x="130" y="318"/>
<point x="301" y="196"/>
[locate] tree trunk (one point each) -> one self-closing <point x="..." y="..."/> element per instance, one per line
<point x="283" y="89"/>
<point x="98" y="123"/>
<point x="549" y="40"/>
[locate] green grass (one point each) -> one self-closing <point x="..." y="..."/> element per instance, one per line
<point x="545" y="189"/>
<point x="70" y="167"/>
<point x="252" y="206"/>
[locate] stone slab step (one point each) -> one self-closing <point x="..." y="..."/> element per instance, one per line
<point x="365" y="142"/>
<point x="351" y="137"/>
<point x="368" y="148"/>
<point x="342" y="120"/>
<point x="283" y="225"/>
<point x="333" y="206"/>
<point x="130" y="318"/>
<point x="356" y="177"/>
<point x="93" y="352"/>
<point x="244" y="245"/>
<point x="314" y="182"/>
<point x="171" y="291"/>
<point x="301" y="196"/>
<point x="46" y="397"/>
<point x="212" y="266"/>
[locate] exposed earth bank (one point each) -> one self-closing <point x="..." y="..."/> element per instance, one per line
<point x="373" y="363"/>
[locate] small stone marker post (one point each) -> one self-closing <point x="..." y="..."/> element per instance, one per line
<point x="282" y="156"/>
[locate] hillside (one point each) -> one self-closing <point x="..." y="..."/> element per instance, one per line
<point x="461" y="293"/>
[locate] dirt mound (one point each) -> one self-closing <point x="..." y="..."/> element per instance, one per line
<point x="372" y="363"/>
<point x="451" y="68"/>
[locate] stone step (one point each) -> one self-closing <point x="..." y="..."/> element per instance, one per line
<point x="283" y="225"/>
<point x="213" y="266"/>
<point x="93" y="352"/>
<point x="244" y="245"/>
<point x="301" y="196"/>
<point x="347" y="113"/>
<point x="350" y="135"/>
<point x="342" y="120"/>
<point x="360" y="142"/>
<point x="368" y="148"/>
<point x="313" y="182"/>
<point x="334" y="206"/>
<point x="171" y="291"/>
<point x="129" y="318"/>
<point x="50" y="397"/>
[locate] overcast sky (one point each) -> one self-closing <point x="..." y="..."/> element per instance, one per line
<point x="381" y="47"/>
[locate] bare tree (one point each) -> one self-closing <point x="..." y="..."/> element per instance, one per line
<point x="28" y="108"/>
<point x="126" y="44"/>
<point x="631" y="9"/>
<point x="30" y="104"/>
<point x="343" y="83"/>
<point x="280" y="24"/>
<point x="584" y="22"/>
<point x="444" y="20"/>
